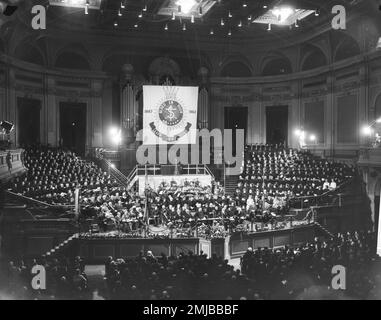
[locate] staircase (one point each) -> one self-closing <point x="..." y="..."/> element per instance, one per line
<point x="324" y="230"/>
<point x="62" y="247"/>
<point x="120" y="178"/>
<point x="231" y="183"/>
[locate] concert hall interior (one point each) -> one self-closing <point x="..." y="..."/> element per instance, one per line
<point x="190" y="149"/>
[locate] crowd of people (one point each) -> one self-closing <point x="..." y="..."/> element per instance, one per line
<point x="303" y="272"/>
<point x="272" y="175"/>
<point x="65" y="279"/>
<point x="293" y="270"/>
<point x="54" y="174"/>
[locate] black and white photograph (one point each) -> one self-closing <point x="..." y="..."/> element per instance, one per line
<point x="189" y="156"/>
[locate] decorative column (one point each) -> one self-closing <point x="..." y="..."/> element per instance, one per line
<point x="11" y="105"/>
<point x="128" y="103"/>
<point x="96" y="114"/>
<point x="203" y="100"/>
<point x="330" y="118"/>
<point x="129" y="110"/>
<point x="366" y="111"/>
<point x="51" y="111"/>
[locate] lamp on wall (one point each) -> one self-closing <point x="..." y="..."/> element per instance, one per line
<point x="6" y="127"/>
<point x="7" y="9"/>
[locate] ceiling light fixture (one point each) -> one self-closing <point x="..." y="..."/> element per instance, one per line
<point x="186" y="6"/>
<point x="282" y="13"/>
<point x="122" y="5"/>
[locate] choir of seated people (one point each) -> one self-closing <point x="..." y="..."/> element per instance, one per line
<point x="272" y="175"/>
<point x="53" y="174"/>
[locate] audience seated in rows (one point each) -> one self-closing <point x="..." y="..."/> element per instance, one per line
<point x="65" y="279"/>
<point x="303" y="272"/>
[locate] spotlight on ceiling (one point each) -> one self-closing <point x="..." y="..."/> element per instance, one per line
<point x="186" y="5"/>
<point x="283" y="16"/>
<point x="186" y="8"/>
<point x="6" y="127"/>
<point x="282" y="13"/>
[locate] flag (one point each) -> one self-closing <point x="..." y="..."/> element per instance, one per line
<point x="170" y="115"/>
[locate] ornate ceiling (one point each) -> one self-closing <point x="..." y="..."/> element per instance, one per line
<point x="203" y="18"/>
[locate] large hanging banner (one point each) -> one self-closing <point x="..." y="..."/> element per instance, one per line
<point x="170" y="115"/>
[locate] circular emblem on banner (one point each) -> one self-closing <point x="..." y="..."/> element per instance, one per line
<point x="171" y="113"/>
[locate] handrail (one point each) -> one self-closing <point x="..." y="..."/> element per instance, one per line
<point x="117" y="175"/>
<point x="210" y="172"/>
<point x="203" y="169"/>
<point x="37" y="201"/>
<point x="132" y="173"/>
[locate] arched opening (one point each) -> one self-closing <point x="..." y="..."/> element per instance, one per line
<point x="347" y="49"/>
<point x="72" y="60"/>
<point x="277" y="66"/>
<point x="29" y="53"/>
<point x="315" y="59"/>
<point x="113" y="64"/>
<point x="236" y="69"/>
